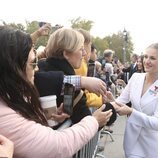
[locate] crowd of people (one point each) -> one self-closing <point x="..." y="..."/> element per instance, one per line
<point x="71" y="57"/>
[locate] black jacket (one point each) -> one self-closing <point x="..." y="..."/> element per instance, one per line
<point x="131" y="70"/>
<point x="49" y="83"/>
<point x="81" y="109"/>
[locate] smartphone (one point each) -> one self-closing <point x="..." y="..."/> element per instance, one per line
<point x="69" y="91"/>
<point x="41" y="23"/>
<point x="91" y="69"/>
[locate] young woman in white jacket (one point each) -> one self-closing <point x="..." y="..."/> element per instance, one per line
<point x="141" y="133"/>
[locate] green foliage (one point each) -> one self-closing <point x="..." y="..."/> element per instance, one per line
<point x="32" y="27"/>
<point x="29" y="28"/>
<point x="101" y="44"/>
<point x="15" y="26"/>
<point x="114" y="41"/>
<point x="81" y="23"/>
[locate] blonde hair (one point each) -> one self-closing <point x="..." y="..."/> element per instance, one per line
<point x="153" y="45"/>
<point x="86" y="35"/>
<point x="63" y="39"/>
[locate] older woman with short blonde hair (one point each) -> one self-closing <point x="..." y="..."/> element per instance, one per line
<point x="64" y="40"/>
<point x="65" y="51"/>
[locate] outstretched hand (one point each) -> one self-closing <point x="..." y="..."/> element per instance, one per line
<point x="94" y="85"/>
<point x="60" y="116"/>
<point x="115" y="105"/>
<point x="45" y="29"/>
<point x="102" y="117"/>
<point x="108" y="97"/>
<point x="124" y="109"/>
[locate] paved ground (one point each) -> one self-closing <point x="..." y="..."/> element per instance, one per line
<point x="114" y="149"/>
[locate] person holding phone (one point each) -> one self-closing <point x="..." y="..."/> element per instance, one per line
<point x="66" y="55"/>
<point x="22" y="118"/>
<point x="93" y="85"/>
<point x="45" y="84"/>
<point x="44" y="30"/>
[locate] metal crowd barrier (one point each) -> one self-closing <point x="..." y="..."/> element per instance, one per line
<point x="90" y="149"/>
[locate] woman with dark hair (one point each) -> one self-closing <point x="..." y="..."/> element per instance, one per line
<point x="22" y="119"/>
<point x="140" y="65"/>
<point x="16" y="86"/>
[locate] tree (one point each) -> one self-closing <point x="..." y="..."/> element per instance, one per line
<point x="81" y="23"/>
<point x="33" y="26"/>
<point x="101" y="44"/>
<point x="115" y="42"/>
<point x="14" y="25"/>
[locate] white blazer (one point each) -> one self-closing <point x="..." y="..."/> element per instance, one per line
<point x="141" y="132"/>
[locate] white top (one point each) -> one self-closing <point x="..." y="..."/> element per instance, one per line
<point x="141" y="133"/>
<point x="109" y="68"/>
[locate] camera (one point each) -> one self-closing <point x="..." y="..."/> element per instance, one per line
<point x="41" y="23"/>
<point x="69" y="91"/>
<point x="91" y="69"/>
<point x="108" y="80"/>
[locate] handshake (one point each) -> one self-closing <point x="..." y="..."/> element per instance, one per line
<point x="122" y="109"/>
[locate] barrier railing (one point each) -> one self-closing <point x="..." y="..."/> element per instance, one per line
<point x="90" y="149"/>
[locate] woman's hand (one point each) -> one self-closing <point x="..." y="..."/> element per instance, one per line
<point x="6" y="147"/>
<point x="60" y="116"/>
<point x="123" y="109"/>
<point x="94" y="85"/>
<point x="108" y="97"/>
<point x="45" y="29"/>
<point x="115" y="105"/>
<point x="102" y="117"/>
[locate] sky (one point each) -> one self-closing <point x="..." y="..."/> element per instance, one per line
<point x="138" y="17"/>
